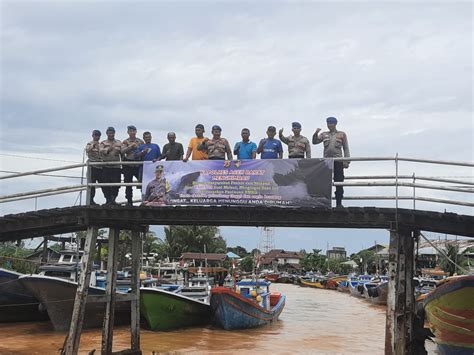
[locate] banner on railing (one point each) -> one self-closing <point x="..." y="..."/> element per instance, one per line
<point x="279" y="182"/>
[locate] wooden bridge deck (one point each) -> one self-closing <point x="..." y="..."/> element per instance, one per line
<point x="71" y="219"/>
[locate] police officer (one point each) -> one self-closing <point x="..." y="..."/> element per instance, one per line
<point x="129" y="146"/>
<point x="217" y="147"/>
<point x="334" y="142"/>
<point x="298" y="145"/>
<point x="156" y="190"/>
<point x="93" y="155"/>
<point x="110" y="152"/>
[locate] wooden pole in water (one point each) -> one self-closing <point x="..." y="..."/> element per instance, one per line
<point x="74" y="336"/>
<point x="112" y="264"/>
<point x="400" y="298"/>
<point x="135" y="303"/>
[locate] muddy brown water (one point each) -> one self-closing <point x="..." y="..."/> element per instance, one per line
<point x="314" y="321"/>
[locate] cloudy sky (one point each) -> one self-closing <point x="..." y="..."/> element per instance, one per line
<point x="397" y="74"/>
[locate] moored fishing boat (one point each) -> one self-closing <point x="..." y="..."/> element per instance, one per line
<point x="186" y="307"/>
<point x="449" y="309"/>
<point x="57" y="296"/>
<point x="313" y="281"/>
<point x="343" y="285"/>
<point x="164" y="310"/>
<point x="17" y="304"/>
<point x="272" y="277"/>
<point x="356" y="285"/>
<point x="250" y="305"/>
<point x="332" y="282"/>
<point x="376" y="290"/>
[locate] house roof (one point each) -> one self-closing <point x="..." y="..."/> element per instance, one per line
<point x="204" y="256"/>
<point x="232" y="255"/>
<point x="279" y="253"/>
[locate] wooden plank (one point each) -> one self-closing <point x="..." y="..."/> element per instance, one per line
<point x="73" y="338"/>
<point x="112" y="263"/>
<point x="400" y="298"/>
<point x="135" y="304"/>
<point x="409" y="292"/>
<point x="76" y="218"/>
<point x="391" y="296"/>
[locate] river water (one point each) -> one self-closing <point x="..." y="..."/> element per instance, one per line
<point x="313" y="321"/>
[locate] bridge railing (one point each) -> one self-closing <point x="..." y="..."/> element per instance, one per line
<point x="392" y="187"/>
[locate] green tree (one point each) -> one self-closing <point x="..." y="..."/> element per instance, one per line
<point x="366" y="260"/>
<point x="180" y="239"/>
<point x="314" y="261"/>
<point x="452" y="252"/>
<point x="247" y="264"/>
<point x="12" y="256"/>
<point x="240" y="251"/>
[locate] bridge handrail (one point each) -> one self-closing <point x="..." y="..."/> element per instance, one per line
<point x="80" y="165"/>
<point x="393" y="180"/>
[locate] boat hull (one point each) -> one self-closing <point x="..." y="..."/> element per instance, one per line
<point x="16" y="303"/>
<point x="315" y="284"/>
<point x="231" y="310"/>
<point x="165" y="310"/>
<point x="58" y="295"/>
<point x="377" y="294"/>
<point x="449" y="310"/>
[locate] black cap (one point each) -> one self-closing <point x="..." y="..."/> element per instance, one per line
<point x="96" y="132"/>
<point x="110" y="129"/>
<point x="199" y="126"/>
<point x="131" y="127"/>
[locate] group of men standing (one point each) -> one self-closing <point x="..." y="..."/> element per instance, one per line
<point x="133" y="150"/>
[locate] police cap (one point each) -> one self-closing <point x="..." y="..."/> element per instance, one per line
<point x="159" y="168"/>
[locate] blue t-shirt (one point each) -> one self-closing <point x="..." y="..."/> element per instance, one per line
<point x="246" y="149"/>
<point x="154" y="151"/>
<point x="271" y="149"/>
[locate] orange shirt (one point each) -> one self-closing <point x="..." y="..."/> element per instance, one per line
<point x="197" y="154"/>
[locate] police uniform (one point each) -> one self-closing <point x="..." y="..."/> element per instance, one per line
<point x="111" y="173"/>
<point x="129" y="171"/>
<point x="156" y="190"/>
<point x="216" y="148"/>
<point x="334" y="143"/>
<point x="299" y="146"/>
<point x="93" y="155"/>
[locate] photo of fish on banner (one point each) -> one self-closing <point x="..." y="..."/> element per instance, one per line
<point x="278" y="182"/>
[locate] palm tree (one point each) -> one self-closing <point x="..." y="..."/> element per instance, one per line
<point x="453" y="253"/>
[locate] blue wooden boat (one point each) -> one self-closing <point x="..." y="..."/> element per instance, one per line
<point x="249" y="306"/>
<point x="16" y="303"/>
